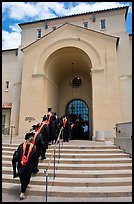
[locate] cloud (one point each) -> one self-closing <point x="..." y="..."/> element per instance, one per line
<point x="25" y="11"/>
<point x="11" y="40"/>
<point x="19" y="10"/>
<point x="22" y="10"/>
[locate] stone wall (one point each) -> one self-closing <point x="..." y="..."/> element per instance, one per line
<point x="124" y="136"/>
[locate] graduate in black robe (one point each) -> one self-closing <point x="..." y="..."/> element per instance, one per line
<point x="25" y="164"/>
<point x="45" y="136"/>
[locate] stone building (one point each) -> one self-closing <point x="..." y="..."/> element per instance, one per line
<point x="79" y="65"/>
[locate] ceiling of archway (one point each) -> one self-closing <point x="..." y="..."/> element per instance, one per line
<point x="59" y="63"/>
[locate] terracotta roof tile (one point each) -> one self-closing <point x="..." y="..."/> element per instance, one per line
<point x="7" y="105"/>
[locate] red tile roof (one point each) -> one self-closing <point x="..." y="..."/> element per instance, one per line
<point x="7" y="105"/>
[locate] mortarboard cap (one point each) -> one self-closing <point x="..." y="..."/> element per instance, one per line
<point x="29" y="135"/>
<point x="44" y="118"/>
<point x="36" y="126"/>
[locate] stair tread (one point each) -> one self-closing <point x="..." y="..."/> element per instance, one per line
<point x="78" y="165"/>
<point x="95" y="189"/>
<point x="83" y="159"/>
<point x="75" y="180"/>
<point x="76" y="154"/>
<point x="126" y="171"/>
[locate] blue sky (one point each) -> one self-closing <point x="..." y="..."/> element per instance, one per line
<point x="14" y="13"/>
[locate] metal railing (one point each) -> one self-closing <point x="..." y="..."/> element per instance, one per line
<point x="8" y="131"/>
<point x="58" y="141"/>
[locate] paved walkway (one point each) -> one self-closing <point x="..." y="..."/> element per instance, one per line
<point x="18" y="139"/>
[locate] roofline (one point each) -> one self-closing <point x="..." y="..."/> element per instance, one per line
<point x="117" y="38"/>
<point x="92" y="12"/>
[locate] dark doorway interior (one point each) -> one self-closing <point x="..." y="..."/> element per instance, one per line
<point x="77" y="113"/>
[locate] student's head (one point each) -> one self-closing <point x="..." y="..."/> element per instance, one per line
<point x="44" y="118"/>
<point x="29" y="137"/>
<point x="35" y="127"/>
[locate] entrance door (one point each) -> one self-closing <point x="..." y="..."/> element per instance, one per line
<point x="77" y="113"/>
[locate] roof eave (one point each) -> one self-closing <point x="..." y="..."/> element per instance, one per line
<point x="39" y="21"/>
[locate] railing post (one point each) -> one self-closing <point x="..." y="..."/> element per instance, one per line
<point x="62" y="137"/>
<point x="11" y="133"/>
<point x="46" y="174"/>
<point x="53" y="155"/>
<point x="54" y="163"/>
<point x="59" y="149"/>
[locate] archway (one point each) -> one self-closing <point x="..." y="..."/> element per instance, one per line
<point x="77" y="112"/>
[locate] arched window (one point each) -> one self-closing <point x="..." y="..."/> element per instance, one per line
<point x="77" y="110"/>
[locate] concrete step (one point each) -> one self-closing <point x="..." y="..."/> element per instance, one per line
<point x="80" y="173"/>
<point x="35" y="180"/>
<point x="65" y="151"/>
<point x="82" y="156"/>
<point x="8" y="158"/>
<point x="70" y="146"/>
<point x="64" y="191"/>
<point x="15" y="198"/>
<point x="95" y="155"/>
<point x="80" y="167"/>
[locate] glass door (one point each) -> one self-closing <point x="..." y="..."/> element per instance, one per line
<point x="77" y="113"/>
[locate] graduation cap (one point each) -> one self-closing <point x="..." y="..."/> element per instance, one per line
<point x="29" y="135"/>
<point x="36" y="126"/>
<point x="44" y="118"/>
<point x="49" y="109"/>
<point x="64" y="116"/>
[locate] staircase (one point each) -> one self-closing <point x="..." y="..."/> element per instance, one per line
<point x="86" y="169"/>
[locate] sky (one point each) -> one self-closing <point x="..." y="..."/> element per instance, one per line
<point x="14" y="13"/>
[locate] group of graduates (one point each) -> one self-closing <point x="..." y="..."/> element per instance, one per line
<point x="26" y="158"/>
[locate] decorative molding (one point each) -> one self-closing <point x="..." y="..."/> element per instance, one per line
<point x="97" y="69"/>
<point x="125" y="77"/>
<point x="39" y="75"/>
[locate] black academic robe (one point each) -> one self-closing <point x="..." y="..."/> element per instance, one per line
<point x="24" y="172"/>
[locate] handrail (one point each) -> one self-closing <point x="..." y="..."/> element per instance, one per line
<point x="54" y="148"/>
<point x="10" y="129"/>
<point x="53" y="154"/>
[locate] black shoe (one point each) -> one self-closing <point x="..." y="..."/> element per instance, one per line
<point x="15" y="175"/>
<point x="36" y="171"/>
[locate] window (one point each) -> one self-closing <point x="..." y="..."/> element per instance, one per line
<point x="85" y="24"/>
<point x="103" y="26"/>
<point x="7" y="85"/>
<point x="46" y="25"/>
<point x="77" y="110"/>
<point x="39" y="33"/>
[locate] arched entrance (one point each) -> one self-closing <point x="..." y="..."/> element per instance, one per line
<point x="77" y="113"/>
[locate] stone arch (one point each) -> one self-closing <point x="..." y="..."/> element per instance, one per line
<point x="87" y="47"/>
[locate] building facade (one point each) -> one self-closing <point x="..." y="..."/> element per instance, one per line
<point x="79" y="65"/>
